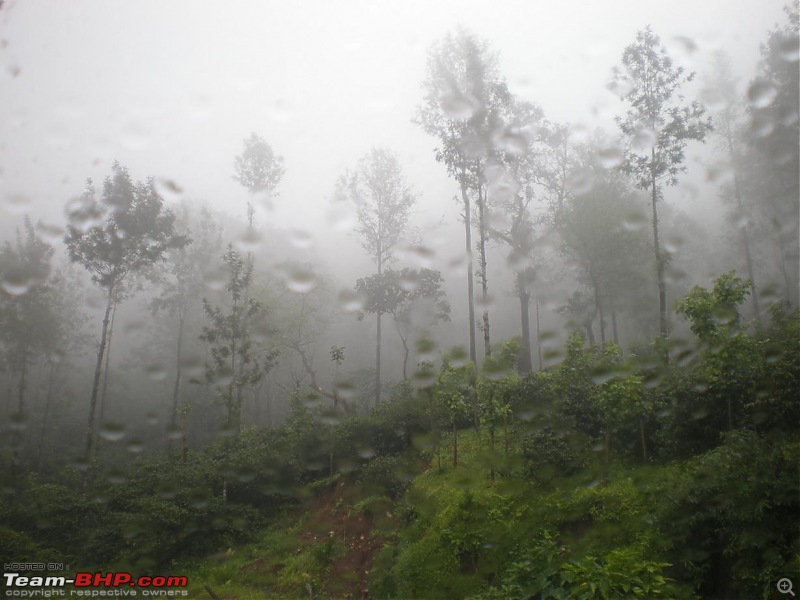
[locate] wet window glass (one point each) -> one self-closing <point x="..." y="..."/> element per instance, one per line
<point x="398" y="300"/>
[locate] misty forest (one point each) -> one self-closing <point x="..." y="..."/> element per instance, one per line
<point x="526" y="328"/>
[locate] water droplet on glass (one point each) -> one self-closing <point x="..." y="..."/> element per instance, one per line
<point x="156" y="372"/>
<point x="761" y="93"/>
<point x="300" y="239"/>
<point x="351" y="301"/>
<point x="610" y="157"/>
<point x="719" y="174"/>
<point x="713" y="99"/>
<point x="52" y="234"/>
<point x="643" y="139"/>
<point x="418" y="254"/>
<point x="458" y="106"/>
<point x="112" y="432"/>
<point x="135" y="446"/>
<point x="409" y="281"/>
<point x="17" y="204"/>
<point x="366" y="453"/>
<point x="580" y="181"/>
<point x="249" y="241"/>
<point x="341" y="217"/>
<point x="300" y="279"/>
<point x="789" y="47"/>
<point x="761" y="124"/>
<point x="168" y="189"/>
<point x="214" y="278"/>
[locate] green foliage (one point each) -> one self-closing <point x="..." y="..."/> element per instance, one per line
<point x="713" y="314"/>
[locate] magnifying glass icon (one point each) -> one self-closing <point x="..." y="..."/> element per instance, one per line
<point x="785" y="586"/>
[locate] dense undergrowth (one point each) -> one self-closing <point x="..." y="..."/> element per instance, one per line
<point x="607" y="476"/>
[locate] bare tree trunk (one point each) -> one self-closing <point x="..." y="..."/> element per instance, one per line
<point x="525" y="365"/>
<point x="47" y="400"/>
<point x="614" y="321"/>
<point x="96" y="385"/>
<point x="487" y="345"/>
<point x="473" y="352"/>
<point x="743" y="228"/>
<point x="662" y="286"/>
<point x="405" y="356"/>
<point x="108" y="358"/>
<point x="538" y="335"/>
<point x="378" y="363"/>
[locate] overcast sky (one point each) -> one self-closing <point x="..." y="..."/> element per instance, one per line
<point x="171" y="88"/>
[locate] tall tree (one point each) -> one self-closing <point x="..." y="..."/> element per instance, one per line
<point x="258" y="169"/>
<point x="122" y="233"/>
<point x="606" y="254"/>
<point x="403" y="295"/>
<point x="730" y="123"/>
<point x="509" y="191"/>
<point x="774" y="99"/>
<point x="235" y="361"/>
<point x="465" y="97"/>
<point x="383" y="201"/>
<point x="656" y="129"/>
<point x="182" y="283"/>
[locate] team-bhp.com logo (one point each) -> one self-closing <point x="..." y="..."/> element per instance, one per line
<point x="94" y="585"/>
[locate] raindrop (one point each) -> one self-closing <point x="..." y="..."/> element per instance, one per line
<point x="484" y="303"/>
<point x="761" y="93"/>
<point x="249" y="241"/>
<point x="511" y="140"/>
<point x="174" y="432"/>
<point x="116" y="476"/>
<point x="168" y="189"/>
<point x="713" y="99"/>
<point x="366" y="453"/>
<point x="52" y="234"/>
<point x="761" y="125"/>
<point x="418" y="254"/>
<point x="156" y="372"/>
<point x="409" y="281"/>
<point x="346" y="390"/>
<point x="112" y="432"/>
<point x="458" y="357"/>
<point x="473" y="146"/>
<point x="459" y="106"/>
<point x="135" y="446"/>
<point x="341" y="217"/>
<point x="214" y="278"/>
<point x="685" y="44"/>
<point x="719" y="174"/>
<point x="610" y="157"/>
<point x="17" y="204"/>
<point x="351" y="301"/>
<point x="580" y="181"/>
<point x="300" y="239"/>
<point x="152" y="418"/>
<point x="789" y="48"/>
<point x="300" y="279"/>
<point x="643" y="139"/>
<point x="634" y="221"/>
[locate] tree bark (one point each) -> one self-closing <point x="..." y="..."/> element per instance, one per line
<point x="473" y="352"/>
<point x="662" y="286"/>
<point x="737" y="190"/>
<point x="487" y="345"/>
<point x="47" y="399"/>
<point x="108" y="359"/>
<point x="525" y="365"/>
<point x="96" y="382"/>
<point x="378" y="363"/>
